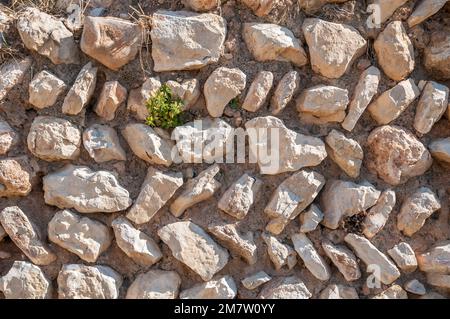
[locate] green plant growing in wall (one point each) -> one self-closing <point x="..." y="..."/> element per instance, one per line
<point x="164" y="109"/>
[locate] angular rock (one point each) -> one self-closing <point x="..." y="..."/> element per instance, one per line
<point x="396" y="155"/>
<point x="102" y="144"/>
<point x="255" y="280"/>
<point x="416" y="209"/>
<point x="439" y="280"/>
<point x="221" y="288"/>
<point x="81" y="91"/>
<point x="345" y="152"/>
<point x="157" y="189"/>
<point x="75" y="18"/>
<point x="311" y="6"/>
<point x="138" y="97"/>
<point x="261" y="7"/>
<point x="389" y="105"/>
<point x="191" y="245"/>
<point x="332" y="46"/>
<point x="112" y="41"/>
<point x="393" y="292"/>
<point x="440" y="149"/>
<point x="135" y="244"/>
<point x="112" y="96"/>
<point x="291" y="150"/>
<point x="431" y="106"/>
<point x="47" y="36"/>
<point x="415" y="287"/>
<point x="424" y="10"/>
<point x="196" y="190"/>
<point x="8" y="137"/>
<point x="221" y="87"/>
<point x="338" y="292"/>
<point x="85" y="237"/>
<point x="378" y="214"/>
<point x="271" y="42"/>
<point x="88" y="282"/>
<point x="184" y="40"/>
<point x="23" y="233"/>
<point x="201" y="5"/>
<point x="25" y="281"/>
<point x="280" y="254"/>
<point x="310" y="219"/>
<point x="437" y="56"/>
<point x="370" y="255"/>
<point x="44" y="89"/>
<point x="342" y="199"/>
<point x="285" y="288"/>
<point x="85" y="190"/>
<point x="343" y="259"/>
<point x="404" y="257"/>
<point x="15" y="177"/>
<point x="382" y="10"/>
<point x="155" y="284"/>
<point x="437" y="259"/>
<point x="12" y="73"/>
<point x="258" y="91"/>
<point x="284" y="91"/>
<point x="395" y="52"/>
<point x="188" y="91"/>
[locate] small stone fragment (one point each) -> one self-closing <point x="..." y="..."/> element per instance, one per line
<point x="438" y="280"/>
<point x="44" y="89"/>
<point x="343" y="259"/>
<point x="431" y="106"/>
<point x="102" y="143"/>
<point x="188" y="91"/>
<point x="415" y="287"/>
<point x="8" y="136"/>
<point x="155" y="284"/>
<point x="284" y="91"/>
<point x="404" y="257"/>
<point x="12" y="73"/>
<point x="311" y="258"/>
<point x="138" y="98"/>
<point x="424" y="10"/>
<point x="221" y="288"/>
<point x="393" y="292"/>
<point x="285" y="288"/>
<point x="280" y="254"/>
<point x="113" y="94"/>
<point x="338" y="292"/>
<point x="437" y="56"/>
<point x="378" y="214"/>
<point x="258" y="91"/>
<point x="15" y="177"/>
<point x="310" y="219"/>
<point x="440" y="149"/>
<point x="437" y="259"/>
<point x="256" y="280"/>
<point x="345" y="152"/>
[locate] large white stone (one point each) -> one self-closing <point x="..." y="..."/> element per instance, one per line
<point x="102" y="144"/>
<point x="404" y="257"/>
<point x="431" y="106"/>
<point x="11" y="74"/>
<point x="81" y="91"/>
<point x="155" y="284"/>
<point x="44" y="89"/>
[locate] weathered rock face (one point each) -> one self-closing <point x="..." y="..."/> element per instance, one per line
<point x="343" y="259"/>
<point x="85" y="190"/>
<point x="404" y="257"/>
<point x="112" y="96"/>
<point x="157" y="189"/>
<point x="416" y="209"/>
<point x="440" y="149"/>
<point x="188" y="91"/>
<point x="201" y="5"/>
<point x="44" y="89"/>
<point x="23" y="233"/>
<point x="111" y="41"/>
<point x="345" y="152"/>
<point x="102" y="144"/>
<point x="255" y="280"/>
<point x="285" y="288"/>
<point x="12" y="73"/>
<point x="184" y="40"/>
<point x="393" y="292"/>
<point x="289" y="151"/>
<point x="424" y="10"/>
<point x="135" y="244"/>
<point x="378" y="215"/>
<point x="284" y="91"/>
<point x="332" y="47"/>
<point x="221" y="288"/>
<point x="258" y="91"/>
<point x="415" y="287"/>
<point x="291" y="197"/>
<point x="148" y="145"/>
<point x="396" y="155"/>
<point x="48" y="36"/>
<point x="261" y="7"/>
<point x="81" y="91"/>
<point x="155" y="284"/>
<point x="8" y="137"/>
<point x="88" y="282"/>
<point x="344" y="199"/>
<point x="221" y="87"/>
<point x="310" y="219"/>
<point x="280" y="254"/>
<point x="268" y="42"/>
<point x="437" y="56"/>
<point x="395" y="52"/>
<point x="25" y="281"/>
<point x="191" y="245"/>
<point x="82" y="236"/>
<point x="138" y="97"/>
<point x="338" y="292"/>
<point x="432" y="105"/>
<point x="15" y="177"/>
<point x="437" y="259"/>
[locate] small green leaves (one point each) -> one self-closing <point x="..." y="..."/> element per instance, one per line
<point x="164" y="109"/>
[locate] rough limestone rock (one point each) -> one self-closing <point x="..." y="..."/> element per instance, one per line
<point x="8" y="137"/>
<point x="47" y="36"/>
<point x="440" y="149"/>
<point x="240" y="196"/>
<point x="221" y="288"/>
<point x="393" y="292"/>
<point x="196" y="190"/>
<point x="343" y="259"/>
<point x="135" y="244"/>
<point x="138" y="97"/>
<point x="370" y="255"/>
<point x="404" y="257"/>
<point x="431" y="106"/>
<point x="257" y="279"/>
<point x="12" y="73"/>
<point x="85" y="190"/>
<point x="332" y="46"/>
<point x="416" y="209"/>
<point x="112" y="96"/>
<point x="291" y="151"/>
<point x="284" y="92"/>
<point x="191" y="245"/>
<point x="88" y="282"/>
<point x="280" y="254"/>
<point x="24" y="235"/>
<point x="25" y="281"/>
<point x="378" y="214"/>
<point x="240" y="244"/>
<point x="389" y="105"/>
<point x="338" y="292"/>
<point x="81" y="91"/>
<point x="157" y="189"/>
<point x="184" y="40"/>
<point x="415" y="287"/>
<point x="261" y="7"/>
<point x="44" y="89"/>
<point x="437" y="56"/>
<point x="291" y="197"/>
<point x="395" y="52"/>
<point x="285" y="288"/>
<point x="396" y="155"/>
<point x="310" y="219"/>
<point x="111" y="41"/>
<point x="188" y="91"/>
<point x="206" y="140"/>
<point x="85" y="237"/>
<point x="221" y="87"/>
<point x="437" y="259"/>
<point x="345" y="152"/>
<point x="311" y="6"/>
<point x="310" y="257"/>
<point x="201" y="5"/>
<point x="364" y="91"/>
<point x="102" y="144"/>
<point x="15" y="177"/>
<point x="342" y="199"/>
<point x="148" y="145"/>
<point x="271" y="42"/>
<point x="439" y="280"/>
<point x="258" y="91"/>
<point x="155" y="284"/>
<point x="424" y="10"/>
<point x="382" y="10"/>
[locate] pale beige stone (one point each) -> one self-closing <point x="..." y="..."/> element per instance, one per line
<point x="440" y="149"/>
<point x="338" y="292"/>
<point x="437" y="56"/>
<point x="12" y="73"/>
<point x="285" y="288"/>
<point x="378" y="214"/>
<point x="424" y="10"/>
<point x="102" y="144"/>
<point x="438" y="280"/>
<point x="257" y="279"/>
<point x="44" y="89"/>
<point x="15" y="177"/>
<point x="261" y="7"/>
<point x="112" y="96"/>
<point x="81" y="91"/>
<point x="310" y="219"/>
<point x="343" y="259"/>
<point x="345" y="152"/>
<point x="258" y="91"/>
<point x="220" y="288"/>
<point x="404" y="257"/>
<point x="280" y="254"/>
<point x="201" y="5"/>
<point x="284" y="92"/>
<point x="393" y="292"/>
<point x="437" y="259"/>
<point x="138" y="97"/>
<point x="188" y="91"/>
<point x="8" y="137"/>
<point x="155" y="284"/>
<point x="431" y="106"/>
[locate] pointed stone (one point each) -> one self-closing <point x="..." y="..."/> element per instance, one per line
<point x="81" y="91"/>
<point x="221" y="288"/>
<point x="343" y="259"/>
<point x="378" y="214"/>
<point x="280" y="254"/>
<point x="155" y="284"/>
